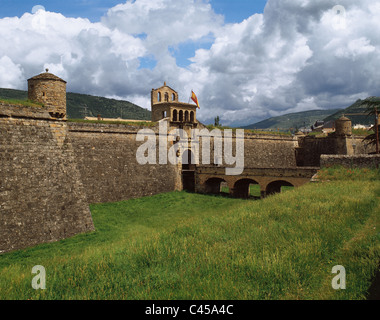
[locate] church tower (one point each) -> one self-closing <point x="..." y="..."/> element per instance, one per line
<point x="165" y="105"/>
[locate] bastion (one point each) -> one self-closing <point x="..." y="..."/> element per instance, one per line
<point x="42" y="198"/>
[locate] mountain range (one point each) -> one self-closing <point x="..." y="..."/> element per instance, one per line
<point x="83" y="105"/>
<point x="357" y="113"/>
<point x="293" y="121"/>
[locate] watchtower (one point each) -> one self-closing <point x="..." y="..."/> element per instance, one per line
<point x="166" y="105"/>
<point x="50" y="90"/>
<point x="343" y="126"/>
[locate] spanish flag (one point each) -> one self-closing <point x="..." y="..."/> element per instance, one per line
<point x="194" y="98"/>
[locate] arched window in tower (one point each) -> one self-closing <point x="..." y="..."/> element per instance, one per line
<point x="181" y="116"/>
<point x="166" y="97"/>
<point x="159" y="97"/>
<point x="192" y="116"/>
<point x="175" y="115"/>
<point x="173" y="97"/>
<point x="164" y="114"/>
<point x="187" y="116"/>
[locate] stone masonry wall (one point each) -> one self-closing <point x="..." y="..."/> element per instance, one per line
<point x="356" y="161"/>
<point x="311" y="148"/>
<point x="263" y="151"/>
<point x="106" y="157"/>
<point x="41" y="194"/>
<point x="269" y="151"/>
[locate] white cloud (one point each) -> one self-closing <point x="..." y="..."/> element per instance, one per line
<point x="353" y="49"/>
<point x="295" y="59"/>
<point x="290" y="58"/>
<point x="11" y="75"/>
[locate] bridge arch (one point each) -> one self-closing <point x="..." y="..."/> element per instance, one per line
<point x="214" y="185"/>
<point x="275" y="186"/>
<point x="242" y="188"/>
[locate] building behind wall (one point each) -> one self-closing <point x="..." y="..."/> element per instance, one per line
<point x="340" y="142"/>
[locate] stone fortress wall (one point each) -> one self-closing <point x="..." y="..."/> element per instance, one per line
<point x="106" y="158"/>
<point x="371" y="161"/>
<point x="341" y="142"/>
<point x="42" y="198"/>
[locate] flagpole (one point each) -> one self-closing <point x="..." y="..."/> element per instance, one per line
<point x="190" y="96"/>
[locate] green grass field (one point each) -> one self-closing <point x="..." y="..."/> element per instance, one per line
<point x="190" y="246"/>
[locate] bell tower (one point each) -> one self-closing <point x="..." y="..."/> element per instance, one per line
<point x="165" y="105"/>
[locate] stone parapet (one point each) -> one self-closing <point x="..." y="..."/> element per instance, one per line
<point x="356" y="161"/>
<point x="8" y="110"/>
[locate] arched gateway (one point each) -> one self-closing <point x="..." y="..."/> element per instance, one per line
<point x="188" y="171"/>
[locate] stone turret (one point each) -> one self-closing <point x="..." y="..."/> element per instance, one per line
<point x="50" y="90"/>
<point x="343" y="127"/>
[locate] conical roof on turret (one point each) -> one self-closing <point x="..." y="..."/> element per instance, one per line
<point x="47" y="76"/>
<point x="343" y="118"/>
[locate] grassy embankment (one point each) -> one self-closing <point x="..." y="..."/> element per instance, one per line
<point x="189" y="246"/>
<point x="126" y="123"/>
<point x="252" y="131"/>
<point x="26" y="103"/>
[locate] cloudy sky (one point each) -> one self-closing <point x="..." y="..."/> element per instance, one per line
<point x="246" y="60"/>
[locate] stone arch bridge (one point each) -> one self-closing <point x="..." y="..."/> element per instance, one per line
<point x="208" y="179"/>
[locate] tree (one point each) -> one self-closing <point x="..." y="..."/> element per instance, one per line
<point x="373" y="108"/>
<point x="217" y="122"/>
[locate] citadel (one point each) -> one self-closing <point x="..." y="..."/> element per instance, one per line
<point x="52" y="169"/>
